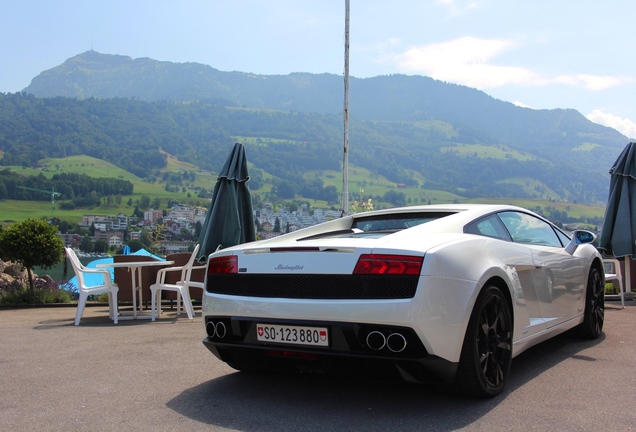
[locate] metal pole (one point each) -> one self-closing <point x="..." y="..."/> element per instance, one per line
<point x="345" y="164"/>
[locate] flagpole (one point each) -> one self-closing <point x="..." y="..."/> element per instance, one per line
<point x="345" y="164"/>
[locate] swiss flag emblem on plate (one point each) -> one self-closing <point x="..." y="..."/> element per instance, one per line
<point x="260" y="330"/>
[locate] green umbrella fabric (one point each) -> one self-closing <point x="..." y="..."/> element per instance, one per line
<point x="618" y="234"/>
<point x="230" y="219"/>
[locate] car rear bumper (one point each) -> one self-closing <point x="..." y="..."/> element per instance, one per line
<point x="351" y="351"/>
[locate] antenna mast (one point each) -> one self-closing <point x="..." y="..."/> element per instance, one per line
<point x="345" y="164"/>
<point x="52" y="192"/>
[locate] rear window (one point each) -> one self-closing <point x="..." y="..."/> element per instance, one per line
<point x="395" y="222"/>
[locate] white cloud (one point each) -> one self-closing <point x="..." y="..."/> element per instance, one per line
<point x="596" y="83"/>
<point x="593" y="82"/>
<point x="522" y="105"/>
<point x="469" y="61"/>
<point x="624" y="126"/>
<point x="466" y="61"/>
<point x="454" y="7"/>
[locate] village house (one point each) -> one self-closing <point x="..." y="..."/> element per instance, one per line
<point x="267" y="227"/>
<point x="172" y="247"/>
<point x="181" y="213"/>
<point x="115" y="242"/>
<point x="152" y="217"/>
<point x="105" y="235"/>
<point x="134" y="235"/>
<point x="71" y="240"/>
<point x="264" y="235"/>
<point x="172" y="226"/>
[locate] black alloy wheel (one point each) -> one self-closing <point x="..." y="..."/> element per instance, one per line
<point x="594" y="315"/>
<point x="487" y="350"/>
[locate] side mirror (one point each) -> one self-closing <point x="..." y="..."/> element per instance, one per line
<point x="578" y="238"/>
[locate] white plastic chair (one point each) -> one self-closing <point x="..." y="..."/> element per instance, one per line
<point x="191" y="284"/>
<point x="612" y="268"/>
<point x="84" y="291"/>
<point x="182" y="287"/>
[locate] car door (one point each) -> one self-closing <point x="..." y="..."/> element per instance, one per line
<point x="517" y="259"/>
<point x="558" y="276"/>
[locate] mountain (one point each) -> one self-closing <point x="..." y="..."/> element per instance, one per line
<point x="457" y="138"/>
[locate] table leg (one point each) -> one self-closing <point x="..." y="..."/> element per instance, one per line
<point x="134" y="292"/>
<point x="140" y="288"/>
<point x="137" y="294"/>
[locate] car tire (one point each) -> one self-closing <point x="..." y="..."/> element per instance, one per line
<point x="594" y="314"/>
<point x="487" y="349"/>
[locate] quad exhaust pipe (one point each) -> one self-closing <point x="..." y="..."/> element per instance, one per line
<point x="377" y="341"/>
<point x="217" y="330"/>
<point x="396" y="342"/>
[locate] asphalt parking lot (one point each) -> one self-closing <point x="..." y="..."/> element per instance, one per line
<point x="140" y="375"/>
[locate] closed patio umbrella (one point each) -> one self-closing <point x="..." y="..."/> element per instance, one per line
<point x="230" y="219"/>
<point x="618" y="235"/>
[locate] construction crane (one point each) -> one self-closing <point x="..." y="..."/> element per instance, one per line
<point x="52" y="192"/>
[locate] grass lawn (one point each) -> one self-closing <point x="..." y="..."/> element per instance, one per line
<point x="359" y="178"/>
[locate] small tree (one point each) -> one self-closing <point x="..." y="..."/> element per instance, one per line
<point x="86" y="245"/>
<point x="153" y="238"/>
<point x="135" y="245"/>
<point x="100" y="246"/>
<point x="32" y="243"/>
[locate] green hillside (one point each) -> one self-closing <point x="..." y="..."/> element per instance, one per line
<point x="359" y="179"/>
<point x="161" y="129"/>
<point x="140" y="138"/>
<point x="15" y="210"/>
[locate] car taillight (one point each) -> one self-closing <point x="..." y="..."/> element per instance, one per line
<point x="224" y="264"/>
<point x="389" y="264"/>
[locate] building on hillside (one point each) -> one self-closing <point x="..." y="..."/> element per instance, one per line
<point x="198" y="219"/>
<point x="134" y="235"/>
<point x="120" y="222"/>
<point x="172" y="226"/>
<point x="200" y="212"/>
<point x="116" y="223"/>
<point x="105" y="235"/>
<point x="71" y="240"/>
<point x="88" y="220"/>
<point x="266" y="235"/>
<point x="292" y="227"/>
<point x="104" y="225"/>
<point x="266" y="226"/>
<point x="171" y="247"/>
<point x="152" y="217"/>
<point x="307" y="221"/>
<point x="181" y="212"/>
<point x="115" y="242"/>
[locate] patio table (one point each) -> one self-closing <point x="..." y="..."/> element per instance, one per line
<point x="134" y="267"/>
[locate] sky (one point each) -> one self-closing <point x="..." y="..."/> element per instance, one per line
<point x="541" y="54"/>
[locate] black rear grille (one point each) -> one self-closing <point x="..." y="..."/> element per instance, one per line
<point x="314" y="286"/>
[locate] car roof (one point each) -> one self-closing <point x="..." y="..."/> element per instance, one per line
<point x="474" y="209"/>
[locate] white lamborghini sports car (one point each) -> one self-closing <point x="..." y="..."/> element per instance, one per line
<point x="451" y="292"/>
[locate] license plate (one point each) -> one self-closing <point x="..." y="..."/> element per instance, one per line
<point x="296" y="335"/>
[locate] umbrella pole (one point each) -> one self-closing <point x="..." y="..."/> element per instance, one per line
<point x="628" y="276"/>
